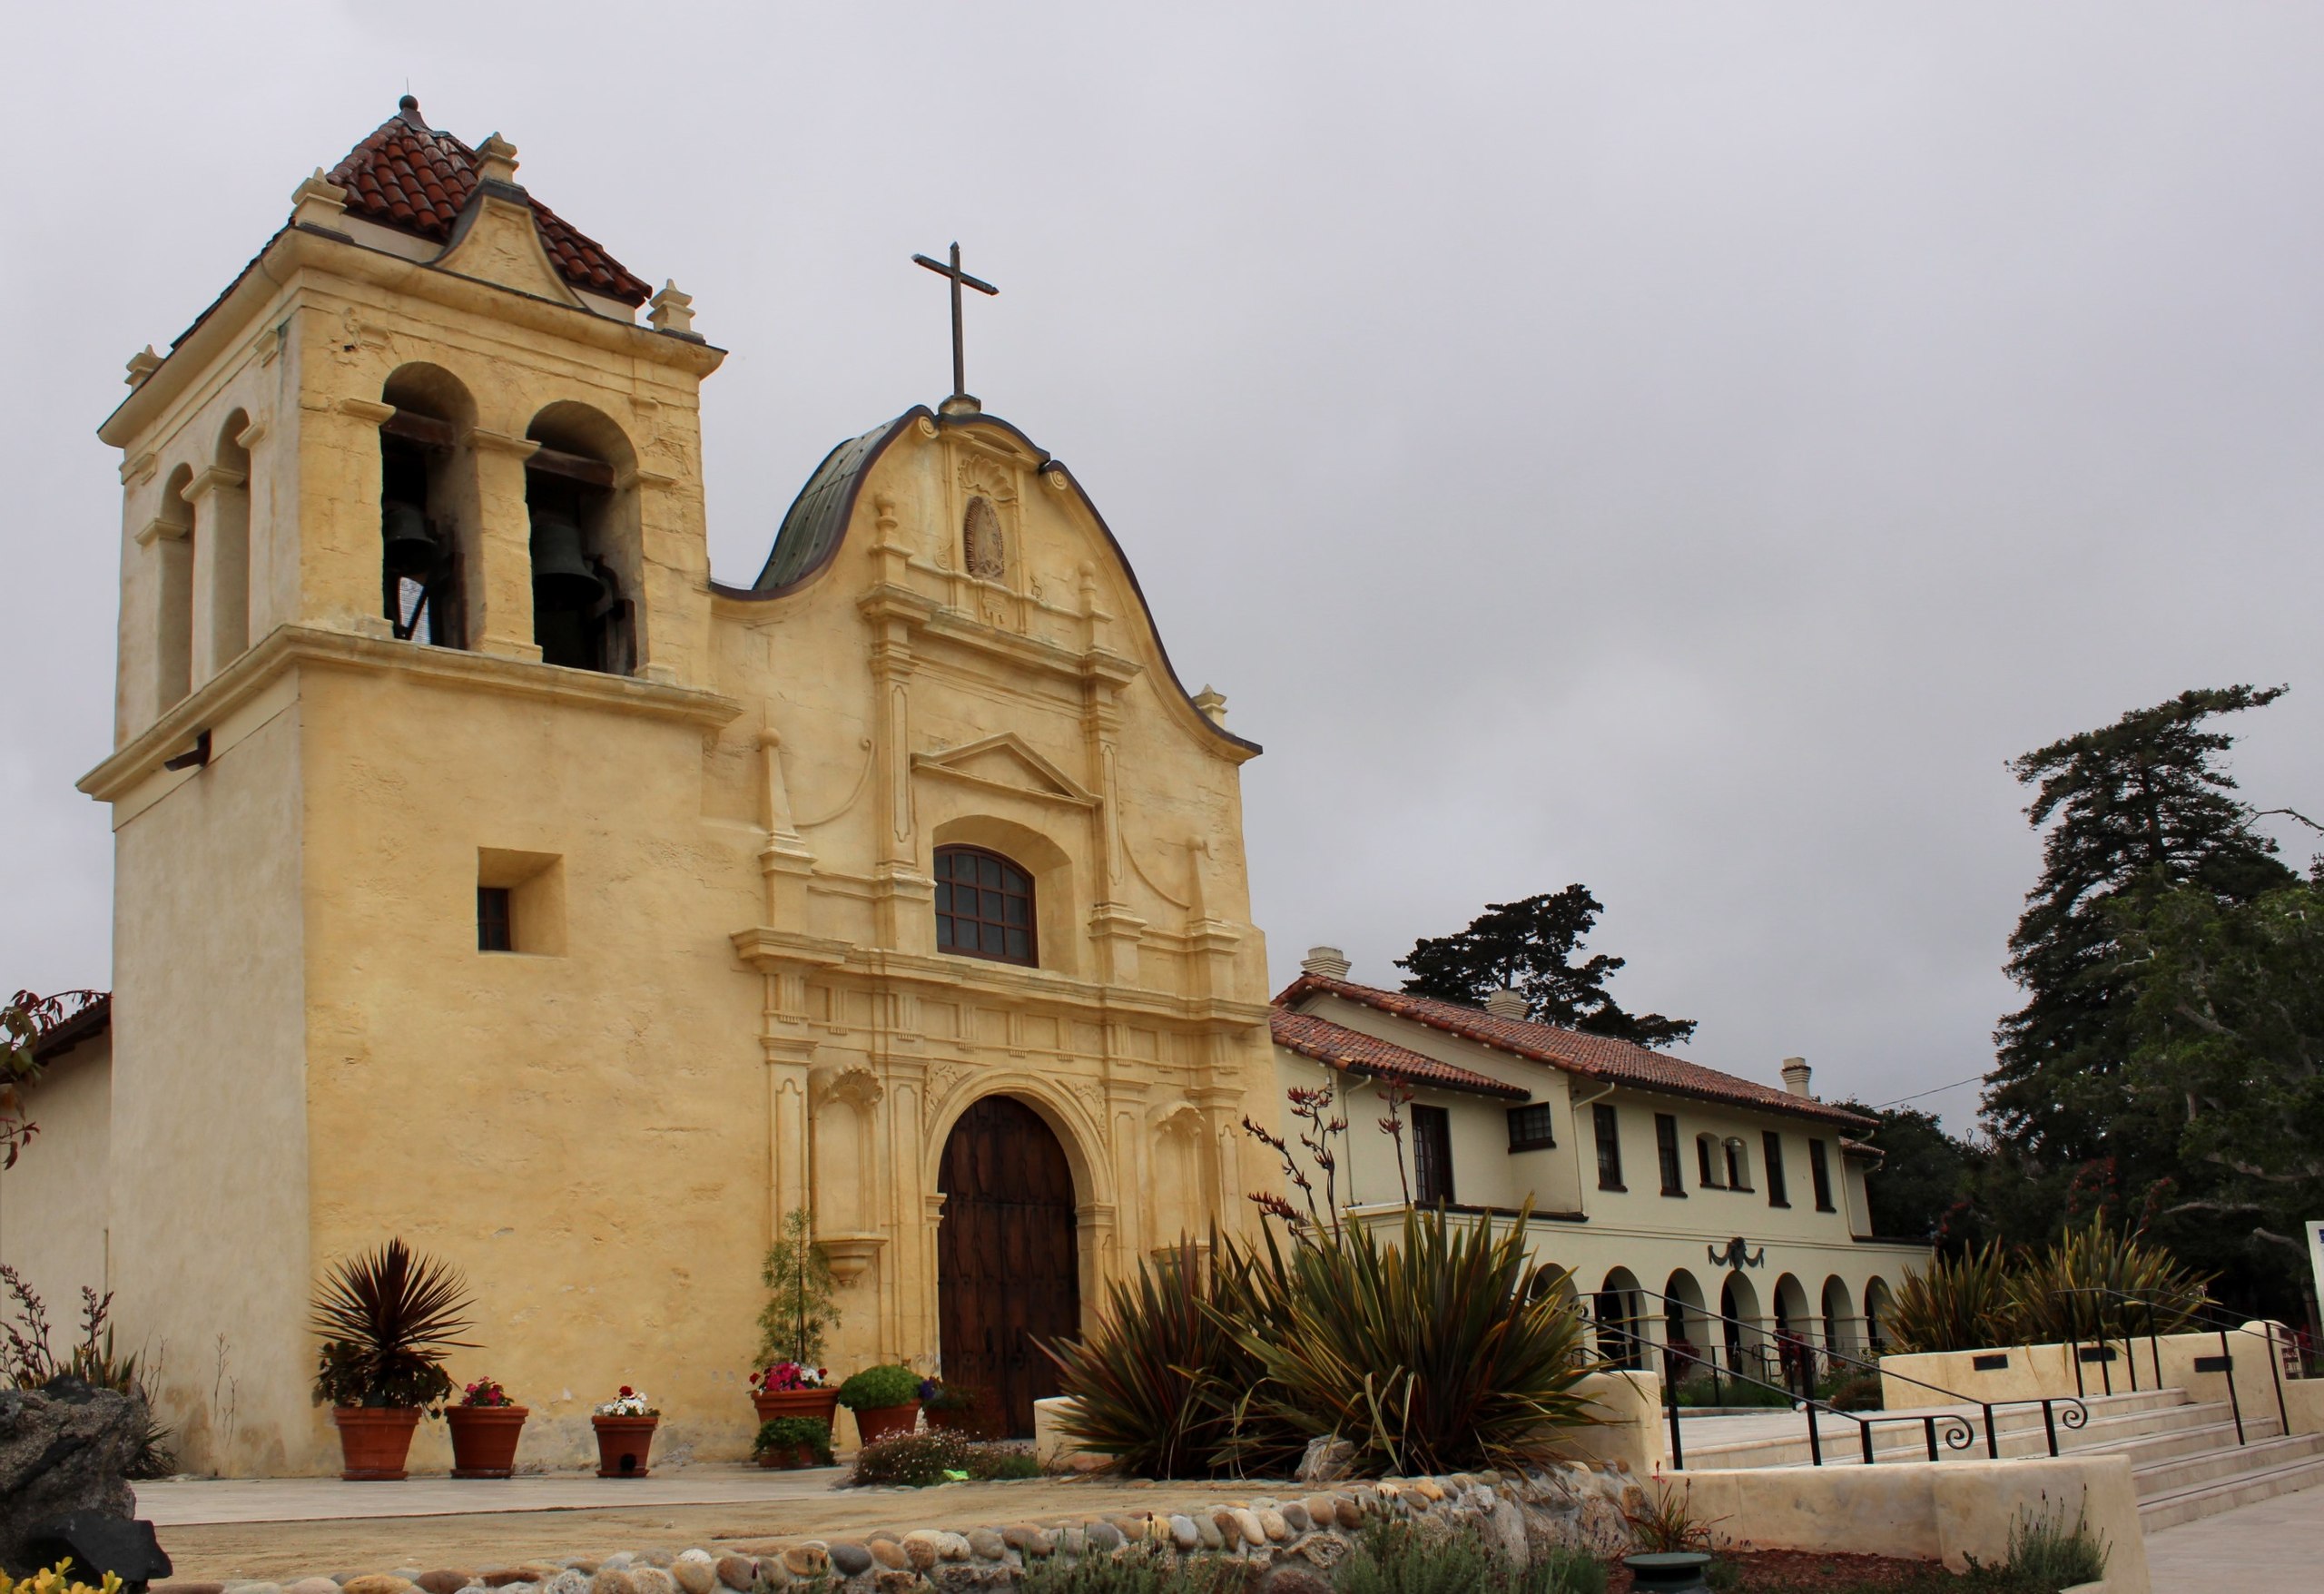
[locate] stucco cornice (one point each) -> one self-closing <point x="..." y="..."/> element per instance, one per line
<point x="292" y="646"/>
<point x="305" y="248"/>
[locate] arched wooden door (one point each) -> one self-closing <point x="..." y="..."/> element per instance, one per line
<point x="1006" y="1269"/>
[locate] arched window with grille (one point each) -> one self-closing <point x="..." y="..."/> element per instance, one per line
<point x="984" y="906"/>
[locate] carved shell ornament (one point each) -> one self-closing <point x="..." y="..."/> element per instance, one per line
<point x="981" y="545"/>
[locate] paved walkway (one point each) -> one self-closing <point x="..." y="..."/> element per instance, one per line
<point x="2275" y="1544"/>
<point x="316" y="1499"/>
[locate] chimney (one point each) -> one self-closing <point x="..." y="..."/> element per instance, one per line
<point x="1328" y="961"/>
<point x="1794" y="1076"/>
<point x="1505" y="1003"/>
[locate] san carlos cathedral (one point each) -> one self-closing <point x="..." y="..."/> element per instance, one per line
<point x="489" y="875"/>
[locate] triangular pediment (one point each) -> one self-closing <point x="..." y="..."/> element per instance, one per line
<point x="496" y="241"/>
<point x="1005" y="762"/>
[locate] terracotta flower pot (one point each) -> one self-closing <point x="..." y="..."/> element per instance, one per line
<point x="373" y="1442"/>
<point x="820" y="1403"/>
<point x="623" y="1444"/>
<point x="796" y="1457"/>
<point x="484" y="1440"/>
<point x="887" y="1422"/>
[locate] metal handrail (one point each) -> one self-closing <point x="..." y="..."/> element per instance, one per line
<point x="2073" y="1415"/>
<point x="2199" y="1311"/>
<point x="1951" y="1427"/>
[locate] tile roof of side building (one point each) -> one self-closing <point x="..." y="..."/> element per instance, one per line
<point x="1593" y="1057"/>
<point x="417" y="179"/>
<point x="1354" y="1051"/>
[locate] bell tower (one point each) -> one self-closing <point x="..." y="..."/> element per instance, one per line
<point x="413" y="574"/>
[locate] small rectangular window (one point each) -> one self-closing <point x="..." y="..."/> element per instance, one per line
<point x="1666" y="1147"/>
<point x="1705" y="1174"/>
<point x="1771" y="1149"/>
<point x="1820" y="1172"/>
<point x="1609" y="1147"/>
<point x="1432" y="1155"/>
<point x="494" y="932"/>
<point x="1530" y="1128"/>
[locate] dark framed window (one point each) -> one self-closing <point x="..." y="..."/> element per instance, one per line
<point x="1530" y="1128"/>
<point x="495" y="929"/>
<point x="1738" y="1164"/>
<point x="1819" y="1171"/>
<point x="984" y="905"/>
<point x="1666" y="1147"/>
<point x="1432" y="1155"/>
<point x="1609" y="1147"/>
<point x="1771" y="1151"/>
<point x="1706" y="1163"/>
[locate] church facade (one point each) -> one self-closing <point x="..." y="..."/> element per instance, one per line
<point x="489" y="875"/>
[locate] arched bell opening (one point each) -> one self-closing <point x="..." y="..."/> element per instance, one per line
<point x="1008" y="1258"/>
<point x="585" y="542"/>
<point x="427" y="506"/>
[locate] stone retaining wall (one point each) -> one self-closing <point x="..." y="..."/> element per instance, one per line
<point x="1296" y="1539"/>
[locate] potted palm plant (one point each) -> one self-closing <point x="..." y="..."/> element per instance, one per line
<point x="885" y="1401"/>
<point x="485" y="1423"/>
<point x="791" y="1381"/>
<point x="386" y="1318"/>
<point x="625" y="1426"/>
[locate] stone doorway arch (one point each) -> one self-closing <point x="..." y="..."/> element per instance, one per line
<point x="1007" y="1262"/>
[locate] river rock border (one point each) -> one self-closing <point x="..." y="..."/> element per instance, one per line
<point x="1296" y="1539"/>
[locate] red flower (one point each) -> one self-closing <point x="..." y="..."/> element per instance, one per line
<point x="627" y="1392"/>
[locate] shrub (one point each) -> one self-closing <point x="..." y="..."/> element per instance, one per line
<point x="1400" y="1558"/>
<point x="1159" y="1385"/>
<point x="387" y="1318"/>
<point x="2047" y="1554"/>
<point x="918" y="1460"/>
<point x="780" y="1435"/>
<point x="1700" y="1389"/>
<point x="1857" y="1392"/>
<point x="1444" y="1351"/>
<point x="1665" y="1523"/>
<point x="1957" y="1304"/>
<point x="875" y="1389"/>
<point x="1138" y="1572"/>
<point x="2100" y="1257"/>
<point x="27" y="1362"/>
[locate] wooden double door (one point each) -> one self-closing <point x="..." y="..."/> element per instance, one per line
<point x="1008" y="1271"/>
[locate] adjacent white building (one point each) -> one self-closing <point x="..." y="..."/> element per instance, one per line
<point x="1671" y="1191"/>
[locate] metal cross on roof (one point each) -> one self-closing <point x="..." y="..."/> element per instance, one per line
<point x="960" y="279"/>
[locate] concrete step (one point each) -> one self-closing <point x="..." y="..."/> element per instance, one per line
<point x="2247" y="1488"/>
<point x="2159" y="1477"/>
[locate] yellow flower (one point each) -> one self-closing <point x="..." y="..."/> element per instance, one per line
<point x="54" y="1581"/>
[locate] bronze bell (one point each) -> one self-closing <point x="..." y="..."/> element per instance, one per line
<point x="411" y="548"/>
<point x="561" y="574"/>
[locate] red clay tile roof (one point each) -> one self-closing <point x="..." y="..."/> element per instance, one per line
<point x="1593" y="1057"/>
<point x="417" y="179"/>
<point x="1341" y="1048"/>
<point x="71" y="1018"/>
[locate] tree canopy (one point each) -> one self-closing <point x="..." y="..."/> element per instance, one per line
<point x="1529" y="946"/>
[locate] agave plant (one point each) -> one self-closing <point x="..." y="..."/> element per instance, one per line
<point x="1162" y="1382"/>
<point x="2100" y="1283"/>
<point x="387" y="1318"/>
<point x="1445" y="1350"/>
<point x="1956" y="1304"/>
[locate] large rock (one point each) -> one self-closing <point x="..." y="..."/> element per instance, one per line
<point x="64" y="1450"/>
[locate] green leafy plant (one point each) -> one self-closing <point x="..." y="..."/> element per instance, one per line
<point x="27" y="1362"/>
<point x="1956" y="1303"/>
<point x="1700" y="1389"/>
<point x="2055" y="1295"/>
<point x="876" y="1389"/>
<point x="1140" y="1570"/>
<point x="782" y="1435"/>
<point x="387" y="1318"/>
<point x="1444" y="1349"/>
<point x="2045" y="1553"/>
<point x="1664" y="1522"/>
<point x="918" y="1460"/>
<point x="1160" y="1382"/>
<point x="1401" y="1558"/>
<point x="800" y="1308"/>
<point x="1858" y="1391"/>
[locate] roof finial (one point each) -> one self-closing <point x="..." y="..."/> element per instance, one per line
<point x="408" y="109"/>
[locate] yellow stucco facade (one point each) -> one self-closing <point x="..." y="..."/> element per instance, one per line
<point x="723" y="995"/>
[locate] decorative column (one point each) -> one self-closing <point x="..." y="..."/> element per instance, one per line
<point x="501" y="602"/>
<point x="339" y="514"/>
<point x="221" y="583"/>
<point x="903" y="899"/>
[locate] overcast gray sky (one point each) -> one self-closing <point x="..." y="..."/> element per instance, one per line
<point x="1681" y="448"/>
